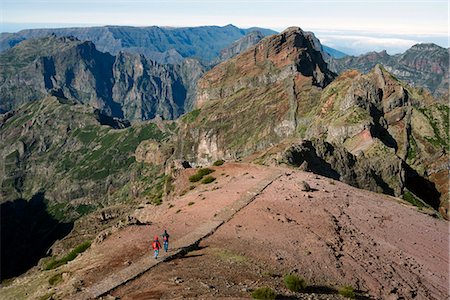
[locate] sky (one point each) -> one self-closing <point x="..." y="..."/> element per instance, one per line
<point x="351" y="26"/>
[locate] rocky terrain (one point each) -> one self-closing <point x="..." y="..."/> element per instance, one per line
<point x="319" y="229"/>
<point x="423" y="66"/>
<point x="281" y="90"/>
<point x="125" y="86"/>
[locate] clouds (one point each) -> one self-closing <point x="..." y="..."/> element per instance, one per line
<point x="358" y="44"/>
<point x="355" y="43"/>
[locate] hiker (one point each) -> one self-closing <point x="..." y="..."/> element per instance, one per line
<point x="156" y="245"/>
<point x="166" y="236"/>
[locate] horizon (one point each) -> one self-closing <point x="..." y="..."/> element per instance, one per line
<point x="350" y="26"/>
<point x="326" y="37"/>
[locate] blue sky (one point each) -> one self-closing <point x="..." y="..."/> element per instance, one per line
<point x="352" y="26"/>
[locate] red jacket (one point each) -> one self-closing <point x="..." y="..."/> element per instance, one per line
<point x="156" y="245"/>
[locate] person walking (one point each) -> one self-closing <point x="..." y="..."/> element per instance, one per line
<point x="166" y="236"/>
<point x="156" y="245"/>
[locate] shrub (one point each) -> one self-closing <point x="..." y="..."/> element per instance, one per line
<point x="191" y="203"/>
<point x="55" y="279"/>
<point x="294" y="283"/>
<point x="208" y="179"/>
<point x="196" y="177"/>
<point x="264" y="293"/>
<point x="200" y="174"/>
<point x="71" y="256"/>
<point x="204" y="171"/>
<point x="347" y="291"/>
<point x="218" y="162"/>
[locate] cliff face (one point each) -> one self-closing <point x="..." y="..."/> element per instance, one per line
<point x="257" y="98"/>
<point x="423" y="66"/>
<point x="247" y="41"/>
<point x="379" y="133"/>
<point x="125" y="86"/>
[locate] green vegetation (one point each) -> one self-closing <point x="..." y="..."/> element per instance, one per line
<point x="408" y="196"/>
<point x="196" y="177"/>
<point x="218" y="162"/>
<point x="191" y="116"/>
<point x="438" y="117"/>
<point x="208" y="179"/>
<point x="84" y="209"/>
<point x="55" y="279"/>
<point x="48" y="296"/>
<point x="54" y="263"/>
<point x="264" y="293"/>
<point x="347" y="291"/>
<point x="204" y="171"/>
<point x="294" y="283"/>
<point x="412" y="149"/>
<point x="200" y="174"/>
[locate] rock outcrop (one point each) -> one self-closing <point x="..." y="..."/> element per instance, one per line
<point x="255" y="99"/>
<point x="423" y="66"/>
<point x="125" y="86"/>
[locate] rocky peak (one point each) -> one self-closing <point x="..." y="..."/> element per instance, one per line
<point x="290" y="54"/>
<point x="295" y="46"/>
<point x="425" y="47"/>
<point x="249" y="40"/>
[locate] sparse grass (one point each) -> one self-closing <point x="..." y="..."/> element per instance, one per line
<point x="47" y="296"/>
<point x="264" y="293"/>
<point x="54" y="263"/>
<point x="218" y="162"/>
<point x="347" y="291"/>
<point x="270" y="274"/>
<point x="294" y="283"/>
<point x="55" y="279"/>
<point x="229" y="256"/>
<point x="191" y="116"/>
<point x="208" y="179"/>
<point x="412" y="149"/>
<point x="408" y="196"/>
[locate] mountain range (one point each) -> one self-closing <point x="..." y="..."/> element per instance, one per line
<point x="423" y="65"/>
<point x="89" y="134"/>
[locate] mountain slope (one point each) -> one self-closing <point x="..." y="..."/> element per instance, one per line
<point x="423" y="65"/>
<point x="257" y="98"/>
<point x="372" y="131"/>
<point x="61" y="148"/>
<point x="125" y="86"/>
<point x="332" y="235"/>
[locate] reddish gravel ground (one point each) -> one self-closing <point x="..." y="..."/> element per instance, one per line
<point x="332" y="236"/>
